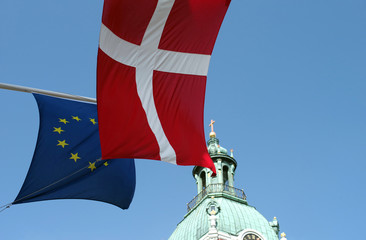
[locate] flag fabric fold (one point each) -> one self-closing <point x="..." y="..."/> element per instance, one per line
<point x="153" y="60"/>
<point x="67" y="160"/>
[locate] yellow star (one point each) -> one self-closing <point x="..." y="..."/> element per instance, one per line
<point x="75" y="156"/>
<point x="106" y="163"/>
<point x="63" y="120"/>
<point x="92" y="166"/>
<point x="93" y="121"/>
<point x="76" y="118"/>
<point x="59" y="130"/>
<point x="62" y="143"/>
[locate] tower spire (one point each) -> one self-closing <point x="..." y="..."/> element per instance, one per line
<point x="212" y="133"/>
<point x="218" y="204"/>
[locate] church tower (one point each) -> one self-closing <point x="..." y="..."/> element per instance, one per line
<point x="220" y="211"/>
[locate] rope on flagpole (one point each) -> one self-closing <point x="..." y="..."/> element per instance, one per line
<point x="46" y="92"/>
<point x="51" y="184"/>
<point x="6" y="206"/>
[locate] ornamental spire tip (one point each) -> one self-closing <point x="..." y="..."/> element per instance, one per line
<point x="212" y="133"/>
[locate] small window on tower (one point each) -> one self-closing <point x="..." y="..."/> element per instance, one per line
<point x="213" y="208"/>
<point x="203" y="178"/>
<point x="226" y="175"/>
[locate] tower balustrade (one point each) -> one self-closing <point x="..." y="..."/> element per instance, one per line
<point x="214" y="189"/>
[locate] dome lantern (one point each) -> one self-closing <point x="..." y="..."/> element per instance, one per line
<point x="221" y="211"/>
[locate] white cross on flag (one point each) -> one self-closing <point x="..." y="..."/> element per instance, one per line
<point x="153" y="60"/>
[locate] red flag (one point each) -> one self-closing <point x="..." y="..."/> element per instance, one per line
<point x="153" y="60"/>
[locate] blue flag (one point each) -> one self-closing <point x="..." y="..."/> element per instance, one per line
<point x="67" y="160"/>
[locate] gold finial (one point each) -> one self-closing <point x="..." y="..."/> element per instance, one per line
<point x="212" y="133"/>
<point x="232" y="152"/>
<point x="283" y="234"/>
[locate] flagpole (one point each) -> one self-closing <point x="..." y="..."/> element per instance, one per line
<point x="45" y="92"/>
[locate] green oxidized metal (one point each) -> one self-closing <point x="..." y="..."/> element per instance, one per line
<point x="218" y="197"/>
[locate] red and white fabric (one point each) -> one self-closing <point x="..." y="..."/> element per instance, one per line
<point x="153" y="60"/>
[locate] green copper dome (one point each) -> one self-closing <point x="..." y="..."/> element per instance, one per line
<point x="233" y="218"/>
<point x="220" y="211"/>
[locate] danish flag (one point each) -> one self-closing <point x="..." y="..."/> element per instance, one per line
<point x="153" y="60"/>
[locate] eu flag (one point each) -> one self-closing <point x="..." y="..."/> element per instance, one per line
<point x="67" y="160"/>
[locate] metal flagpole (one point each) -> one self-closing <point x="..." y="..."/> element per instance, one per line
<point x="45" y="92"/>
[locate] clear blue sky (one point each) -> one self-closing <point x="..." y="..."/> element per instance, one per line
<point x="286" y="87"/>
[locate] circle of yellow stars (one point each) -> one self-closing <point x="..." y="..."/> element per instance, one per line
<point x="63" y="143"/>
